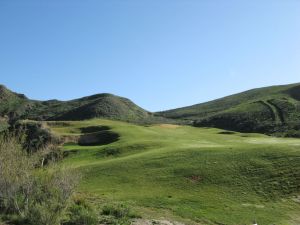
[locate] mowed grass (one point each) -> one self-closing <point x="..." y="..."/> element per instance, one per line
<point x="199" y="175"/>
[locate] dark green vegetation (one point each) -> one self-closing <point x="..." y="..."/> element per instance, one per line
<point x="270" y="110"/>
<point x="194" y="175"/>
<point x="15" y="106"/>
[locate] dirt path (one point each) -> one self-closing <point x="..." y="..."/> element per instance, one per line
<point x="277" y="115"/>
<point x="277" y="109"/>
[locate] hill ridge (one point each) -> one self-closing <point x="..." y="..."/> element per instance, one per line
<point x="270" y="110"/>
<point x="103" y="105"/>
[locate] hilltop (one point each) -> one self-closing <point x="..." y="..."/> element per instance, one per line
<point x="16" y="106"/>
<point x="270" y="110"/>
<point x="95" y="106"/>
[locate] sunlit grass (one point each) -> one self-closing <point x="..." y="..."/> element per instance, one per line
<point x="204" y="175"/>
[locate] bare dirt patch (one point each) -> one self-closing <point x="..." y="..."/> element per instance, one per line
<point x="195" y="178"/>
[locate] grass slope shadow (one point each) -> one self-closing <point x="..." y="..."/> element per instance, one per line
<point x="97" y="135"/>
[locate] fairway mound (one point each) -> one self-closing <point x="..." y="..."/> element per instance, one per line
<point x="123" y="149"/>
<point x="98" y="138"/>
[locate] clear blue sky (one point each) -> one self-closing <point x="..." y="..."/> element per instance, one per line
<point x="161" y="54"/>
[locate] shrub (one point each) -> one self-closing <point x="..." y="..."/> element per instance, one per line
<point x="118" y="211"/>
<point x="117" y="215"/>
<point x="48" y="212"/>
<point x="51" y="198"/>
<point x="16" y="176"/>
<point x="38" y="197"/>
<point x="82" y="213"/>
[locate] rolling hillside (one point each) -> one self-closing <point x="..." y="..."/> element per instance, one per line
<point x="194" y="175"/>
<point x="202" y="176"/>
<point x="15" y="106"/>
<point x="270" y="110"/>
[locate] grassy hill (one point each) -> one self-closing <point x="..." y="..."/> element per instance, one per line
<point x="16" y="106"/>
<point x="271" y="110"/>
<point x="194" y="175"/>
<point x="101" y="105"/>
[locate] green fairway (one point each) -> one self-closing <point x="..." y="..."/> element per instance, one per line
<point x="198" y="175"/>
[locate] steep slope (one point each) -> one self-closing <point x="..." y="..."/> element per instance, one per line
<point x="272" y="110"/>
<point x="15" y="106"/>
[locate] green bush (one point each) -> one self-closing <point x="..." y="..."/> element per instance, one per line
<point x="118" y="211"/>
<point x="46" y="213"/>
<point x="81" y="213"/>
<point x="117" y="215"/>
<point x="51" y="197"/>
